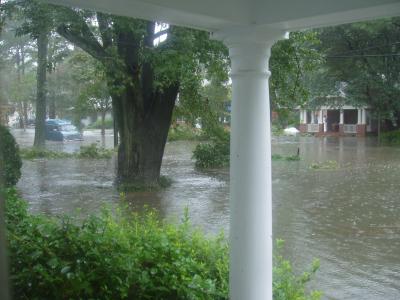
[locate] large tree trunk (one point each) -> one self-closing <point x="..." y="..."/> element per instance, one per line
<point x="20" y="108"/>
<point x="115" y="129"/>
<point x="52" y="100"/>
<point x="52" y="107"/>
<point x="40" y="122"/>
<point x="142" y="112"/>
<point x="143" y="137"/>
<point x="379" y="128"/>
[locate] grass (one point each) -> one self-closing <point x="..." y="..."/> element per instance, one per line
<point x="326" y="165"/>
<point x="278" y="157"/>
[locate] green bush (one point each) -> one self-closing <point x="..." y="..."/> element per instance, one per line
<point x="92" y="152"/>
<point x="32" y="153"/>
<point x="391" y="137"/>
<point x="215" y="154"/>
<point x="276" y="157"/>
<point x="326" y="165"/>
<point x="212" y="155"/>
<point x="119" y="257"/>
<point x="10" y="161"/>
<point x="108" y="124"/>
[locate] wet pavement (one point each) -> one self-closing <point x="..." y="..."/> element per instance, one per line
<point x="347" y="217"/>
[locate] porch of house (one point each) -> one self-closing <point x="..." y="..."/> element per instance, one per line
<point x="347" y="120"/>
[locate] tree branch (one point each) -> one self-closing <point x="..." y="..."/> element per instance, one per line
<point x="104" y="22"/>
<point x="84" y="41"/>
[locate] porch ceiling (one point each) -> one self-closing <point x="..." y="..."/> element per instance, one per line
<point x="215" y="15"/>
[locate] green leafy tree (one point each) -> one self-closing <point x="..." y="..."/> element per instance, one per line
<point x="58" y="50"/>
<point x="90" y="78"/>
<point x="17" y="54"/>
<point x="37" y="21"/>
<point x="143" y="80"/>
<point x="292" y="61"/>
<point x="364" y="56"/>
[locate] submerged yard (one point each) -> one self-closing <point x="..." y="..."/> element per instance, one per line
<point x="346" y="214"/>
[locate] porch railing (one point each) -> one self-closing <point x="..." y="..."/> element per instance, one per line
<point x="349" y="128"/>
<point x="312" y="127"/>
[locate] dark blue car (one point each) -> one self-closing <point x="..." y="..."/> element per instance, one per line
<point x="61" y="130"/>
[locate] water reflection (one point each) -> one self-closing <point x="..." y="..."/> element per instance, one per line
<point x="348" y="217"/>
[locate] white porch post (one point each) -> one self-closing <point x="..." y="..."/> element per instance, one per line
<point x="363" y="116"/>
<point x="250" y="168"/>
<point x="301" y="116"/>
<point x="312" y="117"/>
<point x="321" y="117"/>
<point x="359" y="117"/>
<point x="341" y="116"/>
<point x="305" y="117"/>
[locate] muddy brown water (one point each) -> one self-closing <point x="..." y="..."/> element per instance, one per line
<point x="347" y="217"/>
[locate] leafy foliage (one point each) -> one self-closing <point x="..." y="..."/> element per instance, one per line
<point x="291" y="62"/>
<point x="10" y="161"/>
<point x="120" y="257"/>
<point x="277" y="157"/>
<point x="325" y="165"/>
<point x="92" y="152"/>
<point x="391" y="137"/>
<point x="363" y="58"/>
<point x="288" y="286"/>
<point x="214" y="154"/>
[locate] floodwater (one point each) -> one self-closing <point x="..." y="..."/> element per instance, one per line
<point x="347" y="217"/>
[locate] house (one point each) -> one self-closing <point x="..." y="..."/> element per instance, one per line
<point x="333" y="115"/>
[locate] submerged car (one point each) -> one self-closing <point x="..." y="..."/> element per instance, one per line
<point x="61" y="130"/>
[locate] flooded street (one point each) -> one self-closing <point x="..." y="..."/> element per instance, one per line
<point x="348" y="217"/>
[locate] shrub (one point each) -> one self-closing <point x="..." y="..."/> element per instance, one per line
<point x="32" y="153"/>
<point x="10" y="161"/>
<point x="391" y="137"/>
<point x="286" y="158"/>
<point x="92" y="151"/>
<point x="288" y="286"/>
<point x="120" y="257"/>
<point x="215" y="154"/>
<point x="212" y="155"/>
<point x="326" y="165"/>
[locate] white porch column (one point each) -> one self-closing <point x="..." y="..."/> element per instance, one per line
<point x="312" y="117"/>
<point x="341" y="116"/>
<point x="363" y="116"/>
<point x="250" y="168"/>
<point x="321" y="117"/>
<point x="305" y="117"/>
<point x="359" y="116"/>
<point x="301" y="116"/>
